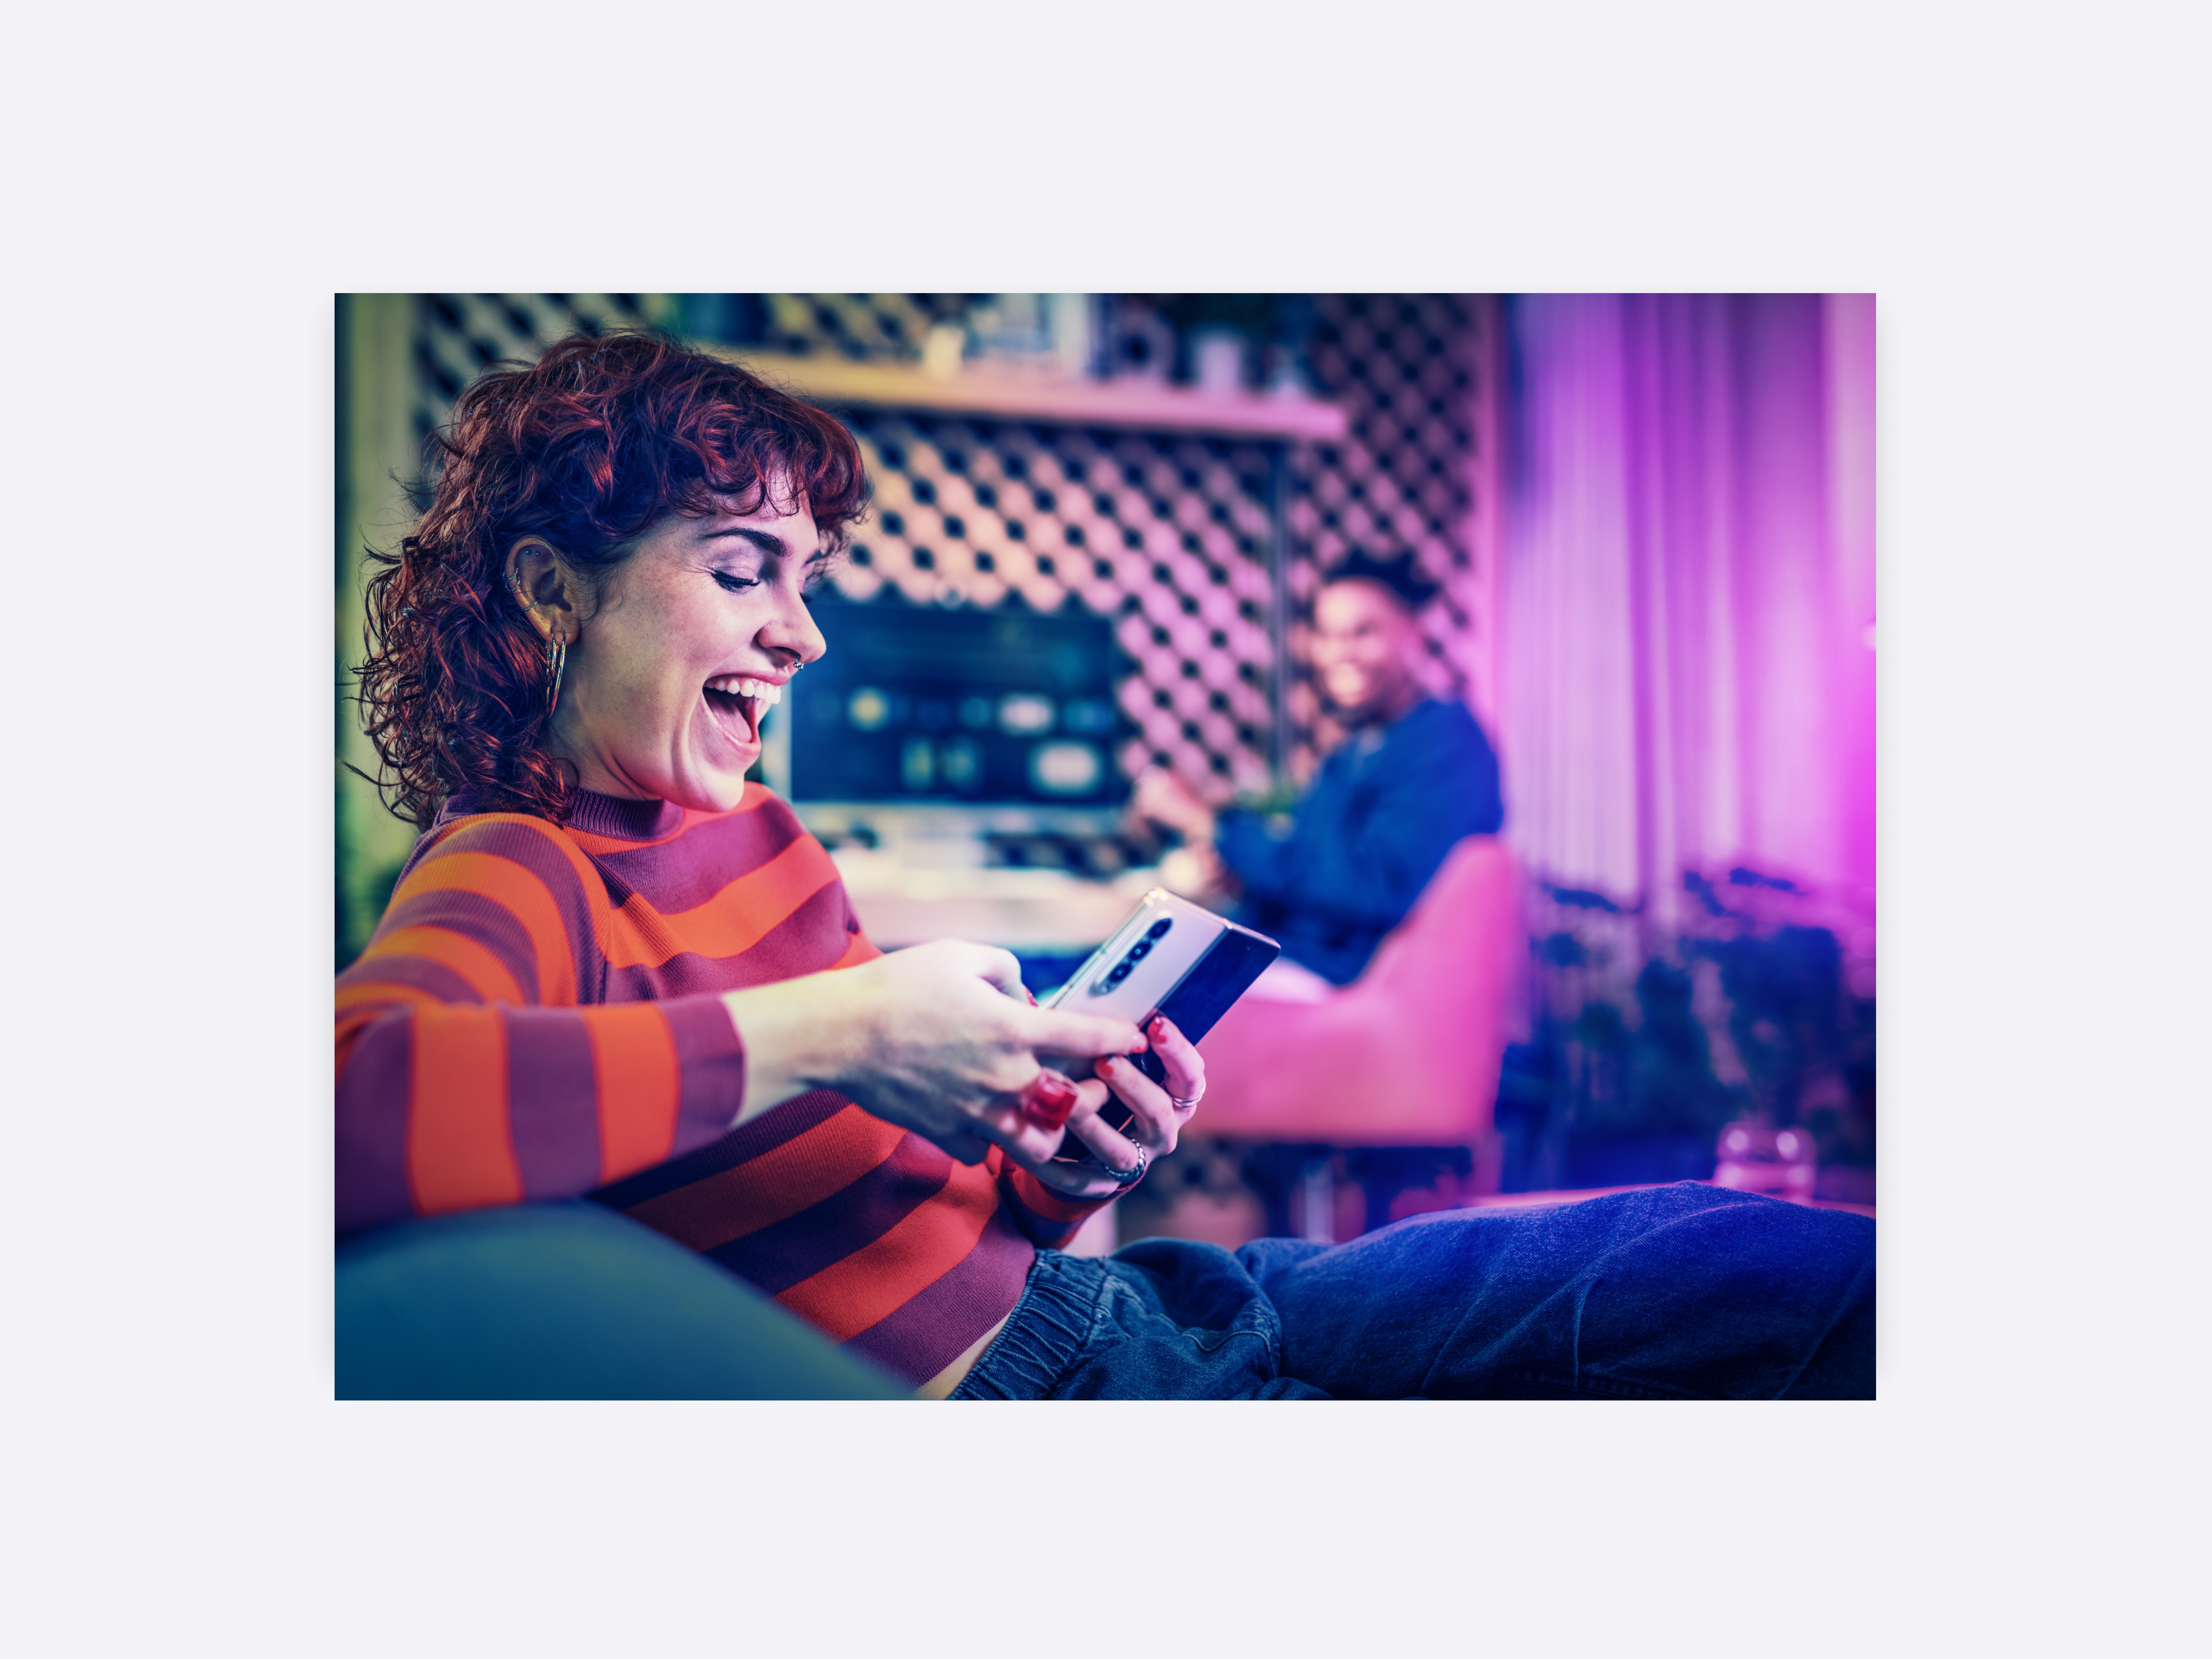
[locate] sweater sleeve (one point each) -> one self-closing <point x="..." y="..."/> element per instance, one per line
<point x="476" y="1066"/>
<point x="1249" y="846"/>
<point x="1047" y="1219"/>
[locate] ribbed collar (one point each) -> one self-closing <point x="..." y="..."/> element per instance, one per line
<point x="624" y="820"/>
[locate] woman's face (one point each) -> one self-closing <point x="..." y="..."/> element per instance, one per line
<point x="689" y="639"/>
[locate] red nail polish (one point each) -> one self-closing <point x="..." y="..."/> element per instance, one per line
<point x="1048" y="1100"/>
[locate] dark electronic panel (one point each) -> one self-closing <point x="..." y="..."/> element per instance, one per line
<point x="914" y="704"/>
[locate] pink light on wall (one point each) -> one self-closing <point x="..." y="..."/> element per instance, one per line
<point x="1685" y="636"/>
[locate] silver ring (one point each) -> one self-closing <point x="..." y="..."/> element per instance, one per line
<point x="1183" y="1105"/>
<point x="1128" y="1177"/>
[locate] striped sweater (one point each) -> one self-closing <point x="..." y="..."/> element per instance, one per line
<point x="539" y="1016"/>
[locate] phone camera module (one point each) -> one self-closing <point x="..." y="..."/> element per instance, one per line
<point x="1140" y="950"/>
<point x="1160" y="928"/>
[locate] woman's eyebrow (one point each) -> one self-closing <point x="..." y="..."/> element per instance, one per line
<point x="769" y="542"/>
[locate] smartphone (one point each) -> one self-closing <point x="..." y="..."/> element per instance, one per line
<point x="1170" y="957"/>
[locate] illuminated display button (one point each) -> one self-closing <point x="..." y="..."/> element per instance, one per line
<point x="917" y="764"/>
<point x="1024" y="714"/>
<point x="1065" y="767"/>
<point x="962" y="764"/>
<point x="868" y="709"/>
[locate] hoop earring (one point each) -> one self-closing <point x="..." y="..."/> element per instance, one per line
<point x="556" y="659"/>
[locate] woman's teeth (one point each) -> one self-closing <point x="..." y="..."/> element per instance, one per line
<point x="763" y="692"/>
<point x="739" y="701"/>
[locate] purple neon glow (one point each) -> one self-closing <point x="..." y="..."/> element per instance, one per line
<point x="1687" y="667"/>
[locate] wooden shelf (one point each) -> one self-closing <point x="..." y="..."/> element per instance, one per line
<point x="1010" y="396"/>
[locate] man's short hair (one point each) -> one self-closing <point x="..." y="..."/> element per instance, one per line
<point x="1396" y="576"/>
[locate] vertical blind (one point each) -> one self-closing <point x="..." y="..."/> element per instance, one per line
<point x="1686" y="653"/>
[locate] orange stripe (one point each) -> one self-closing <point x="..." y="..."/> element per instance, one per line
<point x="848" y="1296"/>
<point x="487" y="975"/>
<point x="431" y="840"/>
<point x="587" y="876"/>
<point x="460" y="1153"/>
<point x="775" y="1186"/>
<point x="735" y="919"/>
<point x="640" y="1084"/>
<point x="516" y="889"/>
<point x="858" y="951"/>
<point x="385" y="994"/>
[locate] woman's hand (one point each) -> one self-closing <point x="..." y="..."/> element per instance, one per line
<point x="931" y="1038"/>
<point x="1157" y="1116"/>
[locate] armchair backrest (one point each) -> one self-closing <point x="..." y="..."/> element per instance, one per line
<point x="1449" y="956"/>
<point x="1408" y="1053"/>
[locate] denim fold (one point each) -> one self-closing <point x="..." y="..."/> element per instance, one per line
<point x="1687" y="1292"/>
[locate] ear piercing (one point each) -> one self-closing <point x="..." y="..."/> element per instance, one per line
<point x="556" y="659"/>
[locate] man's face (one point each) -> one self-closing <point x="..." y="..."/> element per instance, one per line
<point x="1364" y="646"/>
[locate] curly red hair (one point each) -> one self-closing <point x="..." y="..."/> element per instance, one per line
<point x="590" y="447"/>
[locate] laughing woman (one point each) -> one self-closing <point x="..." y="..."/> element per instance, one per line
<point x="614" y="970"/>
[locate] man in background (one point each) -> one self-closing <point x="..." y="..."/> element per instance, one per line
<point x="1413" y="776"/>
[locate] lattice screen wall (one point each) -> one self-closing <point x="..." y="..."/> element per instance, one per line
<point x="459" y="336"/>
<point x="1169" y="534"/>
<point x="1412" y="371"/>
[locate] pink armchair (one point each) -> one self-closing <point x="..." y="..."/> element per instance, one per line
<point x="1406" y="1055"/>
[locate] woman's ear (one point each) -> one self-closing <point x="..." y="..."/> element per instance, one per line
<point x="541" y="585"/>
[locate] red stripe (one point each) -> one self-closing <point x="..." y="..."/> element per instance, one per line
<point x="378" y="994"/>
<point x="872" y="1282"/>
<point x="483" y="831"/>
<point x="523" y="896"/>
<point x="460" y="1151"/>
<point x="734" y="920"/>
<point x="487" y="975"/>
<point x="775" y="1186"/>
<point x="1052" y="1206"/>
<point x="640" y="1085"/>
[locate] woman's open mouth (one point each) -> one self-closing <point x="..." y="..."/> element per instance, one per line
<point x="738" y="701"/>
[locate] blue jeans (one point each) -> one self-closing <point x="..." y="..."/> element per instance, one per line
<point x="1681" y="1292"/>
